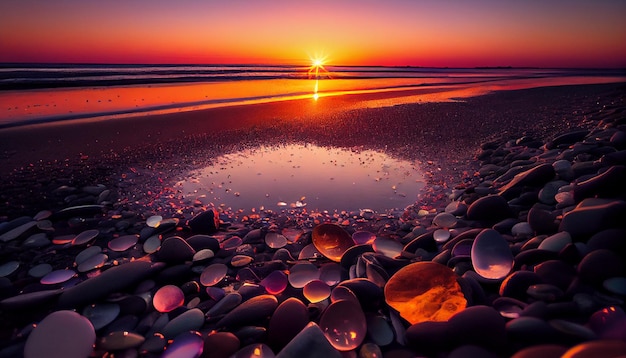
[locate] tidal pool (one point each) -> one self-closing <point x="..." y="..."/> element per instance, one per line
<point x="305" y="176"/>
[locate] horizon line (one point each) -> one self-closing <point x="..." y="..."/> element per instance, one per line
<point x="298" y="65"/>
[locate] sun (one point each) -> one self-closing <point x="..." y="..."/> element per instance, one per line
<point x="317" y="66"/>
<point x="317" y="62"/>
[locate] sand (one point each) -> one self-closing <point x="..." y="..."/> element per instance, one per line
<point x="444" y="137"/>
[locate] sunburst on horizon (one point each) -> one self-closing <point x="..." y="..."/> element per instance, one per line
<point x="317" y="65"/>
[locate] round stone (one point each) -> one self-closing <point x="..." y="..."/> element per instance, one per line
<point x="275" y="283"/>
<point x="275" y="240"/>
<point x="63" y="334"/>
<point x="240" y="260"/>
<point x="221" y="344"/>
<point x="441" y="235"/>
<point x="316" y="291"/>
<point x="491" y="255"/>
<point x="152" y="244"/>
<point x="379" y="330"/>
<point x="93" y="262"/>
<point x="85" y="237"/>
<point x="330" y="273"/>
<point x="190" y="320"/>
<point x="8" y="268"/>
<point x="250" y="311"/>
<point x="225" y="304"/>
<point x="40" y="270"/>
<point x="344" y="325"/>
<point x="599" y="265"/>
<point x="309" y="252"/>
<point x="101" y="314"/>
<point x="522" y="229"/>
<point x="188" y="344"/>
<point x="290" y="317"/>
<point x="175" y="250"/>
<point x="213" y="274"/>
<point x="203" y="255"/>
<point x="388" y="247"/>
<point x="425" y="291"/>
<point x="123" y="243"/>
<point x="556" y="242"/>
<point x="492" y="208"/>
<point x="154" y="220"/>
<point x="57" y="276"/>
<point x="445" y="220"/>
<point x="168" y="298"/>
<point x="302" y="273"/>
<point x="609" y="323"/>
<point x="86" y="254"/>
<point x="331" y="241"/>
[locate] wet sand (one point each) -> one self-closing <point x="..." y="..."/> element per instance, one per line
<point x="443" y="136"/>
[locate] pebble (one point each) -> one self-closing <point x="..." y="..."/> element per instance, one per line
<point x="191" y="320"/>
<point x="250" y="311"/>
<point x="491" y="208"/>
<point x="290" y="317"/>
<point x="63" y="334"/>
<point x="343" y="323"/>
<point x="175" y="250"/>
<point x="206" y="222"/>
<point x="109" y="281"/>
<point x="331" y="241"/>
<point x="220" y="345"/>
<point x="424" y="291"/>
<point x="593" y="215"/>
<point x="309" y="342"/>
<point x="491" y="255"/>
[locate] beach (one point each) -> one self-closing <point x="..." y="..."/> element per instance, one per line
<point x="488" y="162"/>
<point x="93" y="151"/>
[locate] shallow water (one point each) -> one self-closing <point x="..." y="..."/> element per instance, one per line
<point x="305" y="176"/>
<point x="55" y="93"/>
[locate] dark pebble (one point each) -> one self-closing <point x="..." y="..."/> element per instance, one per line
<point x="479" y="325"/>
<point x="517" y="283"/>
<point x="290" y="317"/>
<point x="249" y="312"/>
<point x="592" y="216"/>
<point x="175" y="250"/>
<point x="534" y="177"/>
<point x="109" y="281"/>
<point x="491" y="208"/>
<point x="599" y="265"/>
<point x="556" y="272"/>
<point x="206" y="222"/>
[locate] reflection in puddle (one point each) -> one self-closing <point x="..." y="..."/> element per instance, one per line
<point x="295" y="175"/>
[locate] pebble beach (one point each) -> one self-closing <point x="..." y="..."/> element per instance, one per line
<point x="515" y="247"/>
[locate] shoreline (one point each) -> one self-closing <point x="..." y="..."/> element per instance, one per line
<point x="89" y="153"/>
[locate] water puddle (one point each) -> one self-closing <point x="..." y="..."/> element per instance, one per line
<point x="305" y="176"/>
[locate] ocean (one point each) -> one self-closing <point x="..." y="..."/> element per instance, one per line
<point x="33" y="93"/>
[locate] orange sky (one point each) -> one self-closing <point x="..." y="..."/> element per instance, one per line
<point x="453" y="33"/>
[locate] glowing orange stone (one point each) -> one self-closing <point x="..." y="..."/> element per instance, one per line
<point x="425" y="291"/>
<point x="331" y="241"/>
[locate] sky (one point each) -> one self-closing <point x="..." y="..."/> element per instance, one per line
<point x="444" y="33"/>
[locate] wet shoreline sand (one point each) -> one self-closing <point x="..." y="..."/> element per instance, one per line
<point x="445" y="135"/>
<point x="516" y="241"/>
